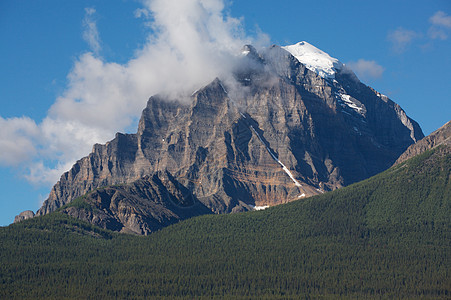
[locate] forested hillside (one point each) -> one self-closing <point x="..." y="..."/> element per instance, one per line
<point x="387" y="236"/>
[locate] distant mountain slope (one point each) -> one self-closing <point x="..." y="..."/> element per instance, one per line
<point x="140" y="207"/>
<point x="275" y="133"/>
<point x="441" y="136"/>
<point x="386" y="237"/>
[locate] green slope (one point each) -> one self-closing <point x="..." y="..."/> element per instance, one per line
<point x="388" y="236"/>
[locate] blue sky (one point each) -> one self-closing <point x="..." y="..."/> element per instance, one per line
<point x="75" y="72"/>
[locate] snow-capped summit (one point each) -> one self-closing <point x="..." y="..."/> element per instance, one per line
<point x="315" y="59"/>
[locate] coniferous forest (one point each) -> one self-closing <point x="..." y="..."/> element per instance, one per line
<point x="388" y="236"/>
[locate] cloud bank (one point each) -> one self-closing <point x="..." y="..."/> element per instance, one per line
<point x="191" y="42"/>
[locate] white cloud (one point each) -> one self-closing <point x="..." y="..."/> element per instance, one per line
<point x="401" y="38"/>
<point x="441" y="23"/>
<point x="90" y="33"/>
<point x="366" y="69"/>
<point x="440" y="27"/>
<point x="39" y="174"/>
<point x="437" y="33"/>
<point x="141" y="12"/>
<point x="193" y="41"/>
<point x="440" y="18"/>
<point x="17" y="140"/>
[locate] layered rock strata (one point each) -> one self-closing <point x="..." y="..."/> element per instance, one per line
<point x="276" y="133"/>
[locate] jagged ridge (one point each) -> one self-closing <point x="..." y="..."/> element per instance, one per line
<point x="225" y="145"/>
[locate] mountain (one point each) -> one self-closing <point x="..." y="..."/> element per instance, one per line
<point x="141" y="207"/>
<point x="291" y="123"/>
<point x="441" y="136"/>
<point x="385" y="237"/>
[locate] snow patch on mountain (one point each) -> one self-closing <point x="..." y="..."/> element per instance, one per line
<point x="259" y="207"/>
<point x="285" y="169"/>
<point x="315" y="59"/>
<point x="347" y="100"/>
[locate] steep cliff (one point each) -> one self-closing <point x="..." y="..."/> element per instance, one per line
<point x="140" y="207"/>
<point x="441" y="136"/>
<point x="276" y="132"/>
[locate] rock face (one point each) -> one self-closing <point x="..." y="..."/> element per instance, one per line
<point x="441" y="136"/>
<point x="141" y="207"/>
<point x="28" y="214"/>
<point x="276" y="133"/>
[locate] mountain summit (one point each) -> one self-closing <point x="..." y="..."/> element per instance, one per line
<point x="292" y="123"/>
<point x="315" y="59"/>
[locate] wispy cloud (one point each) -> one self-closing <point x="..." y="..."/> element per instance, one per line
<point x="441" y="24"/>
<point x="437" y="33"/>
<point x="440" y="18"/>
<point x="366" y="69"/>
<point x="90" y="33"/>
<point x="401" y="38"/>
<point x="439" y="29"/>
<point x="141" y="12"/>
<point x="192" y="42"/>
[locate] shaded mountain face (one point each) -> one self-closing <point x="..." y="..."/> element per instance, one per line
<point x="277" y="132"/>
<point x="441" y="136"/>
<point x="141" y="207"/>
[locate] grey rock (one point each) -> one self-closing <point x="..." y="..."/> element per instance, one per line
<point x="441" y="136"/>
<point x="225" y="146"/>
<point x="141" y="207"/>
<point x="28" y="214"/>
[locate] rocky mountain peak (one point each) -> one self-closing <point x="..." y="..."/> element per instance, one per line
<point x="315" y="59"/>
<point x="249" y="50"/>
<point x="277" y="132"/>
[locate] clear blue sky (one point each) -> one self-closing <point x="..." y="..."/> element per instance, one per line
<point x="81" y="52"/>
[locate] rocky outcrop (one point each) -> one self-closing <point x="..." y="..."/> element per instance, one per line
<point x="441" y="136"/>
<point x="141" y="207"/>
<point x="276" y="133"/>
<point x="28" y="214"/>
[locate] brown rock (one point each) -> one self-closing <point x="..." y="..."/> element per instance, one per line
<point x="228" y="146"/>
